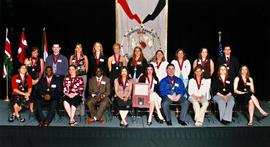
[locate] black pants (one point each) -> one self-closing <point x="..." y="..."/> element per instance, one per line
<point x="51" y="107"/>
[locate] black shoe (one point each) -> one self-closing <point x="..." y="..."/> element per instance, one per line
<point x="169" y="123"/>
<point x="149" y="123"/>
<point x="224" y="122"/>
<point x="160" y="120"/>
<point x="11" y="118"/>
<point x="183" y="123"/>
<point x="20" y="119"/>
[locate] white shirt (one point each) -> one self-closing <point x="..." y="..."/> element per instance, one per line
<point x="99" y="79"/>
<point x="193" y="88"/>
<point x="185" y="68"/>
<point x="161" y="71"/>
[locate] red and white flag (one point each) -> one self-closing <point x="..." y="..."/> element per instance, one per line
<point x="8" y="65"/>
<point x="44" y="45"/>
<point x="22" y="48"/>
<point x="142" y="23"/>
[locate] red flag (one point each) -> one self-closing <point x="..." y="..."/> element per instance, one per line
<point x="22" y="48"/>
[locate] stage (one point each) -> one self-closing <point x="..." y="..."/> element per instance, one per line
<point x="213" y="133"/>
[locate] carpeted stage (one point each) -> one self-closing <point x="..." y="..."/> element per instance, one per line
<point x="213" y="133"/>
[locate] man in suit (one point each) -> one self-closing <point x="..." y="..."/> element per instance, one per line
<point x="99" y="91"/>
<point x="230" y="62"/>
<point x="49" y="91"/>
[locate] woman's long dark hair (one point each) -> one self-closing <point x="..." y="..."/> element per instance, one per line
<point x="120" y="75"/>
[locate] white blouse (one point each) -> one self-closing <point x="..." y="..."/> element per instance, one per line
<point x="193" y="88"/>
<point x="161" y="72"/>
<point x="185" y="68"/>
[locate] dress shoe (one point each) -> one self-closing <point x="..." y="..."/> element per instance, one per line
<point x="265" y="115"/>
<point x="40" y="124"/>
<point x="250" y="124"/>
<point x="225" y="122"/>
<point x="101" y="120"/>
<point x="149" y="123"/>
<point x="126" y="125"/>
<point x="11" y="118"/>
<point x="90" y="120"/>
<point x="183" y="123"/>
<point x="46" y="123"/>
<point x="161" y="121"/>
<point x="169" y="123"/>
<point x="20" y="119"/>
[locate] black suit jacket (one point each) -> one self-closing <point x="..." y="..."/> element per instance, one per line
<point x="233" y="66"/>
<point x="139" y="68"/>
<point x="93" y="65"/>
<point x="56" y="88"/>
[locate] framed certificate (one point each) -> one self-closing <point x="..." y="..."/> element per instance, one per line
<point x="140" y="97"/>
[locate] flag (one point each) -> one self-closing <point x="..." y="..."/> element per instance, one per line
<point x="22" y="48"/>
<point x="8" y="65"/>
<point x="220" y="50"/>
<point x="44" y="45"/>
<point x="142" y="23"/>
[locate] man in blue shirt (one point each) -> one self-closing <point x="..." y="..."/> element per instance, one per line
<point x="172" y="90"/>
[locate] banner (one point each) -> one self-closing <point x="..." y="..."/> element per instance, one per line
<point x="142" y="23"/>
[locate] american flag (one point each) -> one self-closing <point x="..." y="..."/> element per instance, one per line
<point x="220" y="50"/>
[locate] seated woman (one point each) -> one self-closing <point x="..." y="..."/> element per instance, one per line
<point x="73" y="89"/>
<point x="244" y="88"/>
<point x="155" y="100"/>
<point x="223" y="89"/>
<point x="21" y="90"/>
<point x="123" y="89"/>
<point x="197" y="90"/>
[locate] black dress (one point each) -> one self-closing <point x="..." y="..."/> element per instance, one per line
<point x="244" y="98"/>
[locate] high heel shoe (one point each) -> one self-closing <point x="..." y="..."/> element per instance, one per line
<point x="161" y="121"/>
<point x="250" y="124"/>
<point x="265" y="115"/>
<point x="149" y="123"/>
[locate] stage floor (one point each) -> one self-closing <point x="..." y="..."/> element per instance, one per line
<point x="137" y="122"/>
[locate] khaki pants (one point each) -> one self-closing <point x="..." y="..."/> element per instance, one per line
<point x="199" y="111"/>
<point x="97" y="112"/>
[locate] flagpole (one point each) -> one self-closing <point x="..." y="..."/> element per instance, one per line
<point x="7" y="99"/>
<point x="219" y="35"/>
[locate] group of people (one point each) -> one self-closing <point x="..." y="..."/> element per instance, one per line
<point x="65" y="81"/>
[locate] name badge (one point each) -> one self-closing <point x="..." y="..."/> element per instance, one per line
<point x="53" y="86"/>
<point x="103" y="82"/>
<point x="73" y="61"/>
<point x="248" y="83"/>
<point x="59" y="60"/>
<point x="228" y="82"/>
<point x="155" y="82"/>
<point x="18" y="81"/>
<point x="228" y="67"/>
<point x="127" y="84"/>
<point x="139" y="63"/>
<point x="101" y="60"/>
<point x="93" y="95"/>
<point x="176" y="85"/>
<point x="199" y="62"/>
<point x="113" y="62"/>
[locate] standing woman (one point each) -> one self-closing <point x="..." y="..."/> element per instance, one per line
<point x="123" y="89"/>
<point x="223" y="91"/>
<point x="155" y="100"/>
<point x="207" y="66"/>
<point x="160" y="64"/>
<point x="21" y="91"/>
<point x="98" y="59"/>
<point x="136" y="65"/>
<point x="244" y="88"/>
<point x="73" y="89"/>
<point x="197" y="89"/>
<point x="35" y="68"/>
<point x="182" y="66"/>
<point x="80" y="61"/>
<point x="115" y="63"/>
